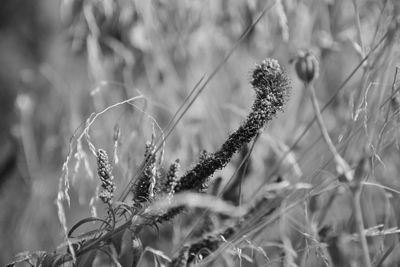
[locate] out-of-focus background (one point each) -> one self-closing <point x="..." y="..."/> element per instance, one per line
<point x="61" y="61"/>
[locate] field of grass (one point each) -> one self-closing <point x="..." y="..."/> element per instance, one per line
<point x="200" y="133"/>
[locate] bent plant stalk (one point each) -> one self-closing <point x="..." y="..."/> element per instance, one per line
<point x="271" y="86"/>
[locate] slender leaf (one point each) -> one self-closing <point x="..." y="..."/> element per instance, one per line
<point x="87" y="220"/>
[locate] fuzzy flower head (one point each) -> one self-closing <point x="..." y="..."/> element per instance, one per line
<point x="171" y="179"/>
<point x="270" y="83"/>
<point x="145" y="186"/>
<point x="271" y="86"/>
<point x="103" y="165"/>
<point x="265" y="71"/>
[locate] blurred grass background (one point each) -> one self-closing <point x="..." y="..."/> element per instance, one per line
<point x="63" y="60"/>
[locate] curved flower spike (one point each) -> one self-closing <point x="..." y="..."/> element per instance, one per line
<point x="271" y="86"/>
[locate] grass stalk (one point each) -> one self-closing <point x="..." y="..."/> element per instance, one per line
<point x="356" y="197"/>
<point x="342" y="166"/>
<point x="343" y="169"/>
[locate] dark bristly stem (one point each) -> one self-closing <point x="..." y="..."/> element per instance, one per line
<point x="271" y="86"/>
<point x="197" y="90"/>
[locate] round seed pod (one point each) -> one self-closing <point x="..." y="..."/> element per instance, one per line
<point x="307" y="67"/>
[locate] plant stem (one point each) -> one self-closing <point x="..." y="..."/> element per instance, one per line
<point x="342" y="166"/>
<point x="343" y="169"/>
<point x="356" y="195"/>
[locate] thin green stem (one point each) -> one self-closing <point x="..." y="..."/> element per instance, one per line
<point x="356" y="197"/>
<point x="343" y="169"/>
<point x="342" y="166"/>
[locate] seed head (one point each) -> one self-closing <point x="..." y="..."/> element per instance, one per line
<point x="105" y="175"/>
<point x="171" y="179"/>
<point x="106" y="196"/>
<point x="103" y="165"/>
<point x="307" y="67"/>
<point x="271" y="85"/>
<point x="169" y="215"/>
<point x="145" y="187"/>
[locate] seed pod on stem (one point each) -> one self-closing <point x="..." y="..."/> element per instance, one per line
<point x="307" y="66"/>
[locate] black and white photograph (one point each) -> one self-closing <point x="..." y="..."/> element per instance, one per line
<point x="188" y="133"/>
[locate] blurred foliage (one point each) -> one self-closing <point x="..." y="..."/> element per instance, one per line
<point x="62" y="61"/>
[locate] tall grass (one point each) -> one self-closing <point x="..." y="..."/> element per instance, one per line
<point x="169" y="79"/>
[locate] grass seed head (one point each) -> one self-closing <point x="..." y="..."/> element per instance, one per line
<point x="103" y="165"/>
<point x="169" y="215"/>
<point x="106" y="196"/>
<point x="145" y="188"/>
<point x="106" y="177"/>
<point x="271" y="85"/>
<point x="171" y="178"/>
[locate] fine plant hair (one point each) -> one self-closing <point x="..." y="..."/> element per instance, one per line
<point x="125" y="220"/>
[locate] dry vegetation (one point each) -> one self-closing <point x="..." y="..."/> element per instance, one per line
<point x="179" y="154"/>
